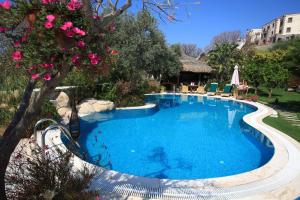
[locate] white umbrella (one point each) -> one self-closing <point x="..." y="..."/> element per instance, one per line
<point x="235" y="77"/>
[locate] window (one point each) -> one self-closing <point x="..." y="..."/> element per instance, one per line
<point x="288" y="30"/>
<point x="272" y="32"/>
<point x="280" y="31"/>
<point x="273" y="25"/>
<point x="290" y="20"/>
<point x="281" y="23"/>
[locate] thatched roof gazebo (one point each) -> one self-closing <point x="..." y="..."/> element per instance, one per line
<point x="194" y="70"/>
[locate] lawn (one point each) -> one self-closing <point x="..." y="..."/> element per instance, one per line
<point x="284" y="101"/>
<point x="284" y="126"/>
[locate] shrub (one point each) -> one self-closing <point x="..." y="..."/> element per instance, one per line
<point x="49" y="177"/>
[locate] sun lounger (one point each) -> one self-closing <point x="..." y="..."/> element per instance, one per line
<point x="227" y="91"/>
<point x="213" y="89"/>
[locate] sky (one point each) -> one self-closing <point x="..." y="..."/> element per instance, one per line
<point x="199" y="23"/>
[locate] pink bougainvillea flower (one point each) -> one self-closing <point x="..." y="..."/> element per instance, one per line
<point x="81" y="44"/>
<point x="74" y="5"/>
<point x="92" y="55"/>
<point x="47" y="77"/>
<point x="69" y="24"/>
<point x="49" y="1"/>
<point x="48" y="25"/>
<point x="35" y="76"/>
<point x="66" y="25"/>
<point x="17" y="43"/>
<point x="2" y="29"/>
<point x="17" y="55"/>
<point x="5" y="5"/>
<point x="69" y="33"/>
<point x="79" y="31"/>
<point x="94" y="58"/>
<point x="18" y="65"/>
<point x="94" y="61"/>
<point x="47" y="66"/>
<point x="75" y="59"/>
<point x="50" y="18"/>
<point x="114" y="52"/>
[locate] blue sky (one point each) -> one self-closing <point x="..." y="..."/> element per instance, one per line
<point x="214" y="16"/>
<point x="199" y="23"/>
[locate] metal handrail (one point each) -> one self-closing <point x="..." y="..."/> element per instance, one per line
<point x="55" y="125"/>
<point x="40" y="122"/>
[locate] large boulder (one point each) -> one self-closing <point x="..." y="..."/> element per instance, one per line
<point x="62" y="100"/>
<point x="90" y="106"/>
<point x="62" y="104"/>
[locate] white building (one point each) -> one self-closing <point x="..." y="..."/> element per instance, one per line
<point x="282" y="28"/>
<point x="254" y="36"/>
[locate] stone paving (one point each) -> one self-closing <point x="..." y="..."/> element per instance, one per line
<point x="290" y="117"/>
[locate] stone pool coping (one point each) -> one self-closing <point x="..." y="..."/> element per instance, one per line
<point x="279" y="177"/>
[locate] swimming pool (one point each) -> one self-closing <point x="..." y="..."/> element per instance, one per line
<point x="183" y="137"/>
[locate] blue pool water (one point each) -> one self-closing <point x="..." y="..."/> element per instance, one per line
<point x="184" y="137"/>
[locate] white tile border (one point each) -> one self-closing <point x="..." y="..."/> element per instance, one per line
<point x="282" y="169"/>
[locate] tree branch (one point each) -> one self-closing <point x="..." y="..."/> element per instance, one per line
<point x="116" y="12"/>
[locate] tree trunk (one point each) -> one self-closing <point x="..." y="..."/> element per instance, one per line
<point x="255" y="90"/>
<point x="270" y="92"/>
<point x="27" y="113"/>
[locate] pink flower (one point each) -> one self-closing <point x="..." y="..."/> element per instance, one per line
<point x="35" y="76"/>
<point x="69" y="33"/>
<point x="49" y="1"/>
<point x="75" y="59"/>
<point x="48" y="25"/>
<point x="81" y="44"/>
<point x="47" y="77"/>
<point x="94" y="61"/>
<point x="92" y="55"/>
<point x="78" y="31"/>
<point x="17" y="55"/>
<point x="50" y="18"/>
<point x="94" y="58"/>
<point x="47" y="66"/>
<point x="17" y="43"/>
<point x="18" y="65"/>
<point x="2" y="29"/>
<point x="5" y="4"/>
<point x="74" y="5"/>
<point x="66" y="26"/>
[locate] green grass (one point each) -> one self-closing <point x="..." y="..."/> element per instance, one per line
<point x="284" y="126"/>
<point x="281" y="99"/>
<point x="286" y="101"/>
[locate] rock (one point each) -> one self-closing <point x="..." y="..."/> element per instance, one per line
<point x="90" y="106"/>
<point x="65" y="114"/>
<point x="62" y="100"/>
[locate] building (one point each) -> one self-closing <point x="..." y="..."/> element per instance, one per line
<point x="282" y="28"/>
<point x="254" y="36"/>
